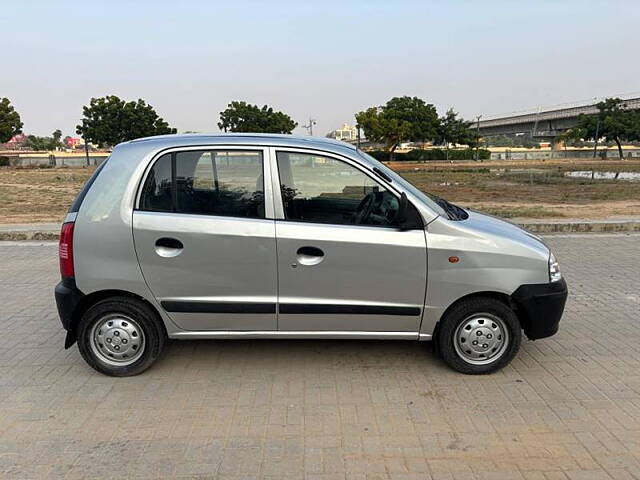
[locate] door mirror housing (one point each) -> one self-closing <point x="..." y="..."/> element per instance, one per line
<point x="407" y="216"/>
<point x="403" y="210"/>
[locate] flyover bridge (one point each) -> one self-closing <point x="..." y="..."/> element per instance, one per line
<point x="547" y="123"/>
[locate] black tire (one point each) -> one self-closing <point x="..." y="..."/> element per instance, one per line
<point x="467" y="310"/>
<point x="153" y="338"/>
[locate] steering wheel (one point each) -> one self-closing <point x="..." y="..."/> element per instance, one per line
<point x="366" y="206"/>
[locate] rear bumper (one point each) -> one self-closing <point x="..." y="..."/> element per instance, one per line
<point x="540" y="307"/>
<point x="67" y="299"/>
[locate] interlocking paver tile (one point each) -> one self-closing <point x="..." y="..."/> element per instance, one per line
<point x="568" y="407"/>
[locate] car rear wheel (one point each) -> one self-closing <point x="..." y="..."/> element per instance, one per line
<point x="479" y="335"/>
<point x="120" y="336"/>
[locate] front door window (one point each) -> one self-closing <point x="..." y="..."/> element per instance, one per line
<point x="320" y="189"/>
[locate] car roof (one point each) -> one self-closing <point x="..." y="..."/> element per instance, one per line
<point x="268" y="139"/>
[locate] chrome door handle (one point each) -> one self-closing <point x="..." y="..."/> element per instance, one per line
<point x="168" y="247"/>
<point x="309" y="255"/>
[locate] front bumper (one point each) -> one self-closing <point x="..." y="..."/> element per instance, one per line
<point x="67" y="299"/>
<point x="540" y="307"/>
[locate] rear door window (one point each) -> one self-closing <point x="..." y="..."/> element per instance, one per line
<point x="221" y="183"/>
<point x="157" y="192"/>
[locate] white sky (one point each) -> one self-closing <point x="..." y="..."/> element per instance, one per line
<point x="324" y="59"/>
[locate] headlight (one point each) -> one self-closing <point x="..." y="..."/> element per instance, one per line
<point x="554" y="269"/>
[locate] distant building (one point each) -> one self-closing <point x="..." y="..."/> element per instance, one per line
<point x="17" y="141"/>
<point x="347" y="133"/>
<point x="71" y="142"/>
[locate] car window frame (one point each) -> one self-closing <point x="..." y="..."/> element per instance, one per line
<point x="266" y="178"/>
<point x="277" y="192"/>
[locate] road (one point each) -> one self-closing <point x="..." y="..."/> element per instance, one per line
<point x="568" y="407"/>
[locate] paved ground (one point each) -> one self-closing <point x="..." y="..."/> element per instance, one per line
<point x="30" y="227"/>
<point x="567" y="408"/>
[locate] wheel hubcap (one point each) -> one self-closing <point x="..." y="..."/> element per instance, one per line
<point x="117" y="340"/>
<point x="481" y="339"/>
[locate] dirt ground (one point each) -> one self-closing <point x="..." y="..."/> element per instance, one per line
<point x="33" y="195"/>
<point x="585" y="189"/>
<point x="523" y="189"/>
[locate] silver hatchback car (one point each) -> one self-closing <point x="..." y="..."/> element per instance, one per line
<point x="276" y="236"/>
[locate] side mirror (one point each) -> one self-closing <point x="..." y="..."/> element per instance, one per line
<point x="403" y="210"/>
<point x="407" y="217"/>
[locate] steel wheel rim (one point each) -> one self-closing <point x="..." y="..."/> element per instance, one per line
<point x="481" y="338"/>
<point x="117" y="340"/>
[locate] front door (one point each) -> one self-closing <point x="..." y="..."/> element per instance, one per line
<point x="343" y="263"/>
<point x="204" y="241"/>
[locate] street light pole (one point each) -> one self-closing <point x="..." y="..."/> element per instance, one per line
<point x="478" y="137"/>
<point x="309" y="127"/>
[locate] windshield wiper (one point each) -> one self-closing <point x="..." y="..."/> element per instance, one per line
<point x="454" y="211"/>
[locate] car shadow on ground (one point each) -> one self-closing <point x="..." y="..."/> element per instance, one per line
<point x="255" y="356"/>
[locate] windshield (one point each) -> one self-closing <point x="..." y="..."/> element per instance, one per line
<point x="431" y="201"/>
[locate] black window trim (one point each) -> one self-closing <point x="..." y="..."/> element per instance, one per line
<point x="334" y="156"/>
<point x="173" y="151"/>
<point x="174" y="183"/>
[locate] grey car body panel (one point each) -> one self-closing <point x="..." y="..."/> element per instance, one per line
<point x="377" y="267"/>
<point x="104" y="253"/>
<point x="495" y="255"/>
<point x="224" y="260"/>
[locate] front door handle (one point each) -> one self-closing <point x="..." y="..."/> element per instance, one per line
<point x="168" y="247"/>
<point x="309" y="255"/>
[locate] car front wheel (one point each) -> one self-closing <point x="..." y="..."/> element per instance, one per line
<point x="479" y="335"/>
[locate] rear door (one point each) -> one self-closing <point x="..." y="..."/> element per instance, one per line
<point x="205" y="238"/>
<point x="343" y="263"/>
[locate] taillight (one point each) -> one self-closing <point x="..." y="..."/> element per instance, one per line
<point x="65" y="250"/>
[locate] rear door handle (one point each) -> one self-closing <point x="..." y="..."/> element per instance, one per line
<point x="309" y="255"/>
<point x="168" y="247"/>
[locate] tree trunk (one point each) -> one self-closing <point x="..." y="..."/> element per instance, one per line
<point x="391" y="150"/>
<point x="619" y="148"/>
<point x="447" y="148"/>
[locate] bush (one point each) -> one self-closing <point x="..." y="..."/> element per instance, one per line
<point x="431" y="154"/>
<point x="4" y="161"/>
<point x="380" y="155"/>
<point x="441" y="154"/>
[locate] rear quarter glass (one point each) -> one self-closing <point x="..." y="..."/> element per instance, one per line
<point x="75" y="206"/>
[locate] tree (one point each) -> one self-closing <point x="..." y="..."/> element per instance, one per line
<point x="400" y="119"/>
<point x="109" y="121"/>
<point x="10" y="123"/>
<point x="247" y="118"/>
<point x="632" y="133"/>
<point x="44" y="143"/>
<point x="613" y="122"/>
<point x="511" y="141"/>
<point x="452" y="129"/>
<point x="500" y="141"/>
